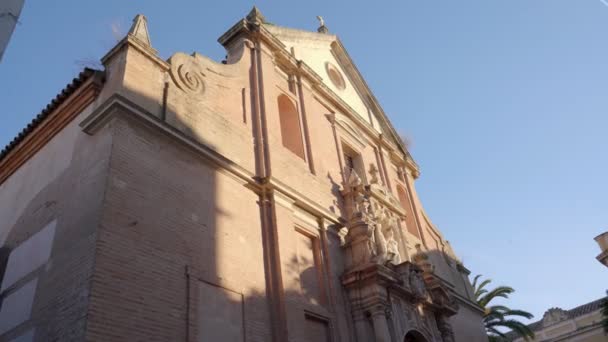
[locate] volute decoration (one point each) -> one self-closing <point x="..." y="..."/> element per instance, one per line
<point x="187" y="74"/>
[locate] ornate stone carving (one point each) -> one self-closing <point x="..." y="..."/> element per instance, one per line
<point x="417" y="285"/>
<point x="445" y="328"/>
<point x="554" y="315"/>
<point x="322" y="28"/>
<point x="422" y="259"/>
<point x="373" y="172"/>
<point x="371" y="220"/>
<point x="188" y="76"/>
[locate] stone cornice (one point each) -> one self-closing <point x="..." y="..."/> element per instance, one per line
<point x="139" y="46"/>
<point x="233" y="32"/>
<point x="344" y="58"/>
<point x="120" y="105"/>
<point x="469" y="303"/>
<point x="300" y="68"/>
<point x="382" y="194"/>
<point x="112" y="107"/>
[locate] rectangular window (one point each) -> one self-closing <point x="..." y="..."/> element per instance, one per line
<point x="350" y="162"/>
<point x="353" y="161"/>
<point x="310" y="267"/>
<point x="220" y="314"/>
<point x="317" y="328"/>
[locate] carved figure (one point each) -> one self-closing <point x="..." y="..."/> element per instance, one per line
<point x="321" y="20"/>
<point x="392" y="247"/>
<point x="373" y="171"/>
<point x="380" y="242"/>
<point x="417" y="284"/>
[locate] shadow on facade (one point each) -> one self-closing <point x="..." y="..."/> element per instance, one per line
<point x="156" y="241"/>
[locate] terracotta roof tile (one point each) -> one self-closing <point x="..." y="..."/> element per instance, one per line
<point x="58" y="100"/>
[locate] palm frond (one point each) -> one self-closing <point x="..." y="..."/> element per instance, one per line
<point x="497" y="316"/>
<point x="500" y="308"/>
<point x="496" y="332"/>
<point x="492" y="338"/>
<point x="517" y="326"/>
<point x="480" y="289"/>
<point x="520" y="313"/>
<point x="501" y="291"/>
<point x="475" y="280"/>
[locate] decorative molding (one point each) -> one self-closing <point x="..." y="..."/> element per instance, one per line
<point x="307" y="218"/>
<point x="188" y="79"/>
<point x="113" y="106"/>
<point x="283" y="200"/>
<point x="290" y="63"/>
<point x="348" y="131"/>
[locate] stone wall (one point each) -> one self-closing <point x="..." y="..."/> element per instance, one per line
<point x="50" y="215"/>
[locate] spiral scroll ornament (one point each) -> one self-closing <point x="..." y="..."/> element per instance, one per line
<point x="188" y="78"/>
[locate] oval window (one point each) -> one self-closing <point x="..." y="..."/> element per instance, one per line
<point x="335" y="76"/>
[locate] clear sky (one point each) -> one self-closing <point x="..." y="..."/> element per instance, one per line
<point x="505" y="103"/>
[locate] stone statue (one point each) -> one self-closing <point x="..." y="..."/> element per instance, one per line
<point x="388" y="224"/>
<point x="373" y="171"/>
<point x="322" y="28"/>
<point x="352" y="178"/>
<point x="321" y="21"/>
<point x="392" y="246"/>
<point x="380" y="242"/>
<point x="417" y="284"/>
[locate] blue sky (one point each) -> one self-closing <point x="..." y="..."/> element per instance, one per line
<point x="505" y="103"/>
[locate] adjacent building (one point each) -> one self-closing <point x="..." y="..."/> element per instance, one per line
<point x="602" y="241"/>
<point x="581" y="324"/>
<point x="263" y="198"/>
<point x="9" y="17"/>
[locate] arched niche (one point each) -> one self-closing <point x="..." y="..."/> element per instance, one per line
<point x="414" y="336"/>
<point x="291" y="133"/>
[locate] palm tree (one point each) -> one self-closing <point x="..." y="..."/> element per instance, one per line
<point x="499" y="316"/>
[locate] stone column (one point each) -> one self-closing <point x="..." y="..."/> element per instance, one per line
<point x="379" y="320"/>
<point x="361" y="327"/>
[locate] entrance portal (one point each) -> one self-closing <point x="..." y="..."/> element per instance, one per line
<point x="414" y="336"/>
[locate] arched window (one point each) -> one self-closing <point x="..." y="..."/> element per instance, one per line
<point x="291" y="134"/>
<point x="409" y="221"/>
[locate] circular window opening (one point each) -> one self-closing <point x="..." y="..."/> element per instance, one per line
<point x="335" y="76"/>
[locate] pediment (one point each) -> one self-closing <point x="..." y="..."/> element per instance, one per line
<point x="327" y="57"/>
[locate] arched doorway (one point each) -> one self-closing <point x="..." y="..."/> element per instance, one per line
<point x="414" y="336"/>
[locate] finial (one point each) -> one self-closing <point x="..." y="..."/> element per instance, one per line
<point x="139" y="30"/>
<point x="255" y="16"/>
<point x="322" y="28"/>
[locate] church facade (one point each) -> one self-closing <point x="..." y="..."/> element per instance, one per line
<point x="263" y="198"/>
